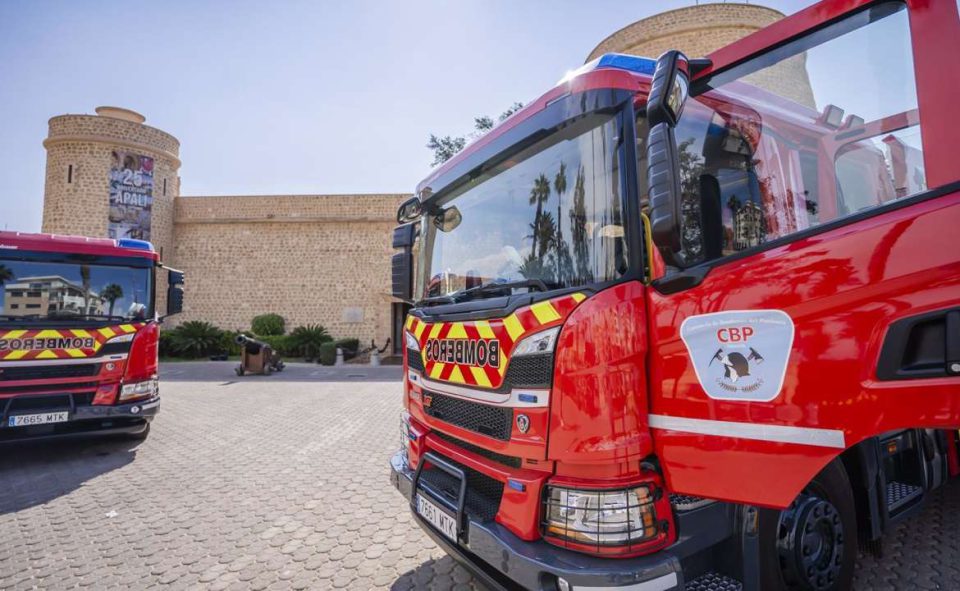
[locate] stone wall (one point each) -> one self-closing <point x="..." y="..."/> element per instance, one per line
<point x="311" y="258"/>
<point x="698" y="31"/>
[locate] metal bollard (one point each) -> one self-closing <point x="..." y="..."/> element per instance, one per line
<point x="339" y="360"/>
<point x="374" y="358"/>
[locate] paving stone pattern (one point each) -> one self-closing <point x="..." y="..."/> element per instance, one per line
<point x="268" y="484"/>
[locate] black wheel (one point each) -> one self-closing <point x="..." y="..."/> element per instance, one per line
<point x="812" y="544"/>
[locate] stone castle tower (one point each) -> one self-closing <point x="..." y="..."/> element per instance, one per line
<point x="699" y="30"/>
<point x="82" y="155"/>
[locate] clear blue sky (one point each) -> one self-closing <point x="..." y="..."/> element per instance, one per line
<point x="285" y="97"/>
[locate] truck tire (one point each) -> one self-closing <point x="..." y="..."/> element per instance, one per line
<point x="812" y="544"/>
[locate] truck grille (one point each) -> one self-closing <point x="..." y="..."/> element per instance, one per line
<point x="486" y="419"/>
<point x="529" y="371"/>
<point x="41" y="372"/>
<point x="483" y="492"/>
<point x="414" y="362"/>
<point x="512" y="461"/>
<point x="48" y="402"/>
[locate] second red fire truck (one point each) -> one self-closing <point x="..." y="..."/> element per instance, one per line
<point x="78" y="335"/>
<point x="694" y="323"/>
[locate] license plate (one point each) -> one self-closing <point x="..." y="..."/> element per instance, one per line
<point x="437" y="518"/>
<point x="38" y="419"/>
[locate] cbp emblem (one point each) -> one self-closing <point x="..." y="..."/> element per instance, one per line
<point x="740" y="355"/>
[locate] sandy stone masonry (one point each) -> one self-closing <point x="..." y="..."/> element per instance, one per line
<point x="311" y="258"/>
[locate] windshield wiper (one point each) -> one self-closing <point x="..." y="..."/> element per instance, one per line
<point x="56" y="316"/>
<point x="537" y="284"/>
<point x="468" y="294"/>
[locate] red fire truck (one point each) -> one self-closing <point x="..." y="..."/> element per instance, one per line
<point x="693" y="323"/>
<point x="78" y="335"/>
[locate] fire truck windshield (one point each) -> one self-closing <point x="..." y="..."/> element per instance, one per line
<point x="550" y="216"/>
<point x="39" y="290"/>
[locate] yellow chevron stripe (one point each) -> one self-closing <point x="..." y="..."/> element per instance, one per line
<point x="107" y="332"/>
<point x="435" y="372"/>
<point x="578" y="297"/>
<point x="15" y="334"/>
<point x="79" y="332"/>
<point x="435" y="330"/>
<point x="75" y="353"/>
<point x="409" y="322"/>
<point x="48" y="354"/>
<point x="480" y="376"/>
<point x="457" y="331"/>
<point x="513" y="326"/>
<point x="483" y="328"/>
<point x="456" y="376"/>
<point x="419" y="330"/>
<point x="48" y="334"/>
<point x="15" y="354"/>
<point x="127" y="328"/>
<point x="545" y="312"/>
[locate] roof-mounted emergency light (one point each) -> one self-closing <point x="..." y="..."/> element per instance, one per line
<point x="135" y="244"/>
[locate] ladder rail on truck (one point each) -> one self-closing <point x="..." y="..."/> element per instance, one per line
<point x="79" y="334"/>
<point x="725" y="352"/>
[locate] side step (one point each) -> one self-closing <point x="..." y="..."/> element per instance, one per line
<point x="682" y="503"/>
<point x="900" y="494"/>
<point x="713" y="582"/>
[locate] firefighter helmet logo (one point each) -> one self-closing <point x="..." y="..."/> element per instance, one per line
<point x="740" y="355"/>
<point x="523" y="423"/>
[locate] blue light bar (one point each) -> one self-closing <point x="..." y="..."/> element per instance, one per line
<point x="633" y="63"/>
<point x="135" y="244"/>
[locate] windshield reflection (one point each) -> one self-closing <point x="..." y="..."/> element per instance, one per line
<point x="551" y="214"/>
<point x="33" y="290"/>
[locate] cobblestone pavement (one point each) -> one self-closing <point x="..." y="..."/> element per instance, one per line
<point x="270" y="484"/>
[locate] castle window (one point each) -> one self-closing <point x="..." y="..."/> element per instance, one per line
<point x="164" y="187"/>
<point x="69" y="173"/>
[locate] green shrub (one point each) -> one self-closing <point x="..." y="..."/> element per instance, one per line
<point x="280" y="343"/>
<point x="195" y="338"/>
<point x="306" y="340"/>
<point x="349" y="346"/>
<point x="328" y="353"/>
<point x="165" y="343"/>
<point x="266" y="325"/>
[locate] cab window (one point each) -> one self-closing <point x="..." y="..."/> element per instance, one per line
<point x="824" y="127"/>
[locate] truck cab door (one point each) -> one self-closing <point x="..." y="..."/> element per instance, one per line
<point x="812" y="293"/>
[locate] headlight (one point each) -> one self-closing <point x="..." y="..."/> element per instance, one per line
<point x="139" y="389"/>
<point x="542" y="342"/>
<point x="412" y="343"/>
<point x="622" y="517"/>
<point x="124" y="338"/>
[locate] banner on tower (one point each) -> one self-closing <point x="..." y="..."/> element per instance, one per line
<point x="131" y="196"/>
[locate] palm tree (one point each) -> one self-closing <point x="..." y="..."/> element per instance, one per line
<point x="560" y="186"/>
<point x="85" y="277"/>
<point x="539" y="195"/>
<point x="111" y="293"/>
<point x="6" y="274"/>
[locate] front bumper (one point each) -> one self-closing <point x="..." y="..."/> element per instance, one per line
<point x="503" y="561"/>
<point x="129" y="418"/>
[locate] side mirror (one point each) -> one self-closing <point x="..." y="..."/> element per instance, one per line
<point x="174" y="292"/>
<point x="404" y="236"/>
<point x="401" y="267"/>
<point x="668" y="92"/>
<point x="448" y="219"/>
<point x="409" y="210"/>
